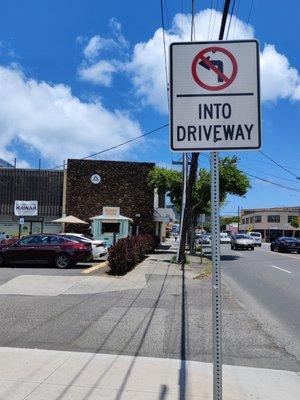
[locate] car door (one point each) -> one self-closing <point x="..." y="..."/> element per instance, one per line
<point x="21" y="252"/>
<point x="46" y="249"/>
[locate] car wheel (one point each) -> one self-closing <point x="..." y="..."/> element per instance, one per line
<point x="272" y="248"/>
<point x="62" y="261"/>
<point x="1" y="260"/>
<point x="259" y="245"/>
<point x="252" y="248"/>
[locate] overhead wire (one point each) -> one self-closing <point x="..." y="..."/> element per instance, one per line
<point x="117" y="145"/>
<point x="232" y="10"/>
<point x="276" y="163"/>
<point x="236" y="18"/>
<point x="214" y="23"/>
<point x="165" y="51"/>
<point x="250" y="12"/>
<point x="271" y="182"/>
<point x="210" y="15"/>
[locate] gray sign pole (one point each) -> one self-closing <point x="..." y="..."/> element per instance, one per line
<point x="216" y="277"/>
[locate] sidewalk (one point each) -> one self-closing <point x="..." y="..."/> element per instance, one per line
<point x="171" y="322"/>
<point x="54" y="375"/>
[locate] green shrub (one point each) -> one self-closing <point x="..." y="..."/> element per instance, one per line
<point x="126" y="253"/>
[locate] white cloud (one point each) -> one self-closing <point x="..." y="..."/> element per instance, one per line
<point x="147" y="67"/>
<point x="92" y="50"/>
<point x="99" y="73"/>
<point x="50" y="120"/>
<point x="278" y="78"/>
<point x="97" y="70"/>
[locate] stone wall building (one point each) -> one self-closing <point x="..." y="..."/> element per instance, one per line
<point x="122" y="184"/>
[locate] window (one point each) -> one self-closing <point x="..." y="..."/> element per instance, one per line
<point x="291" y="217"/>
<point x="273" y="218"/>
<point x="247" y="220"/>
<point x="251" y="220"/>
<point x="110" y="227"/>
<point x="29" y="240"/>
<point x="243" y="221"/>
<point x="257" y="218"/>
<point x="50" y="240"/>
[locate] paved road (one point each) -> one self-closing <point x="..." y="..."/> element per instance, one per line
<point x="166" y="316"/>
<point x="268" y="284"/>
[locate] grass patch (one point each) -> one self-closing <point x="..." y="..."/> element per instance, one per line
<point x="206" y="271"/>
<point x="174" y="260"/>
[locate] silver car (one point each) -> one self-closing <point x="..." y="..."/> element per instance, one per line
<point x="242" y="241"/>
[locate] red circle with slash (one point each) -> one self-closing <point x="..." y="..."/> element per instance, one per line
<point x="201" y="57"/>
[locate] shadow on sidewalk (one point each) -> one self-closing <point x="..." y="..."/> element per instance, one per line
<point x="149" y="316"/>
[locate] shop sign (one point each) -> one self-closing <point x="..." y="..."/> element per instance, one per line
<point x="111" y="212"/>
<point x="24" y="208"/>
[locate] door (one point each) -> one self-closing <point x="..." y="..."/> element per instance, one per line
<point x="46" y="249"/>
<point x="21" y="252"/>
<point x="36" y="227"/>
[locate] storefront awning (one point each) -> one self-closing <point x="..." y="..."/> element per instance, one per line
<point x="70" y="220"/>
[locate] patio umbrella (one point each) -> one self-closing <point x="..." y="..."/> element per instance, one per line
<point x="70" y="220"/>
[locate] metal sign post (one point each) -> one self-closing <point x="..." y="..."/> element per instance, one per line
<point x="215" y="106"/>
<point x="216" y="276"/>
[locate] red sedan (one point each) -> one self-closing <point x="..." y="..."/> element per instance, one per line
<point x="45" y="249"/>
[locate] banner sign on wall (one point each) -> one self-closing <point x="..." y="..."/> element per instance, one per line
<point x="24" y="208"/>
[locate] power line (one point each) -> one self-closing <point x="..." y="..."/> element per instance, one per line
<point x="236" y="17"/>
<point x="271" y="182"/>
<point x="213" y="27"/>
<point x="274" y="176"/>
<point x="249" y="15"/>
<point x="165" y="52"/>
<point x="117" y="145"/>
<point x="232" y="10"/>
<point x="193" y="33"/>
<point x="279" y="165"/>
<point x="211" y="8"/>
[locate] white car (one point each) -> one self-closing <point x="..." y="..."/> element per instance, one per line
<point x="99" y="248"/>
<point x="257" y="238"/>
<point x="224" y="238"/>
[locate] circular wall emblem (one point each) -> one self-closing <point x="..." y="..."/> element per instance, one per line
<point x="95" y="178"/>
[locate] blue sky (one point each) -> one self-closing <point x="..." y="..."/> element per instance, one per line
<point x="78" y="77"/>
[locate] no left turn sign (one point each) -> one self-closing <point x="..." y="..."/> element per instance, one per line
<point x="215" y="95"/>
<point x="203" y="60"/>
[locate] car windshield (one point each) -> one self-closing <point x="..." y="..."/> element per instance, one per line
<point x="242" y="237"/>
<point x="290" y="239"/>
<point x="255" y="234"/>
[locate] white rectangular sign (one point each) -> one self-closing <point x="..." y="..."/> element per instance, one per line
<point x="23" y="208"/>
<point x="215" y="96"/>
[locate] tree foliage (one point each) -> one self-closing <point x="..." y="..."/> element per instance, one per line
<point x="232" y="181"/>
<point x="295" y="222"/>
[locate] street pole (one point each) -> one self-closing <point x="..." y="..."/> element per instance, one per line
<point x="238" y="218"/>
<point x="215" y="252"/>
<point x="183" y="205"/>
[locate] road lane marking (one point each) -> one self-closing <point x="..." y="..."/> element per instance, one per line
<point x="95" y="267"/>
<point x="281" y="269"/>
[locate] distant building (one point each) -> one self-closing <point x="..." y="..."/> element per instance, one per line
<point x="270" y="222"/>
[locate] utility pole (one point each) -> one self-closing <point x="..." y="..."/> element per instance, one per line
<point x="64" y="195"/>
<point x="238" y="218"/>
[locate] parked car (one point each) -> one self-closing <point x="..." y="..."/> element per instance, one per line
<point x="98" y="246"/>
<point x="257" y="238"/>
<point x="285" y="244"/>
<point x="202" y="238"/>
<point x="242" y="241"/>
<point x="45" y="249"/>
<point x="224" y="237"/>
